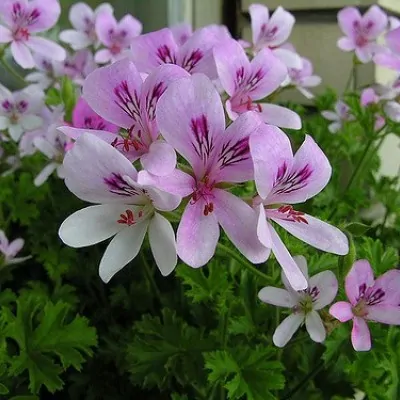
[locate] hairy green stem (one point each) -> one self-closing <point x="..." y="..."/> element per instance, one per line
<point x="11" y="70"/>
<point x="243" y="262"/>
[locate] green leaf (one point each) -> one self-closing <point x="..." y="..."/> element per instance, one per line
<point x="68" y="97"/>
<point x="45" y="335"/>
<point x="246" y="372"/>
<point x="3" y="389"/>
<point x="357" y="229"/>
<point x="24" y="398"/>
<point x="53" y="97"/>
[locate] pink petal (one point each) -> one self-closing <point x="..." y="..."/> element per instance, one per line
<point x="277" y="297"/>
<point x="311" y="81"/>
<point x="22" y="55"/>
<point x="153" y="49"/>
<point x="368" y="96"/>
<point x="346" y="18"/>
<point x="197" y="235"/>
<point x="271" y="151"/>
<point x="391" y="61"/>
<point x="263" y="234"/>
<point x="234" y="163"/>
<point x="47" y="48"/>
<point x="79" y="14"/>
<point x="160" y="160"/>
<point x="178" y="182"/>
<point x="113" y="92"/>
<point x="268" y="72"/>
<point x="376" y="20"/>
<point x="360" y="274"/>
<point x="342" y="310"/>
<point x="284" y="22"/>
<point x="393" y="40"/>
<point x="181" y="32"/>
<point x="317" y="233"/>
<point x="232" y="65"/>
<point x="385" y="314"/>
<point x="330" y="115"/>
<point x="191" y="118"/>
<point x="49" y="11"/>
<point x="346" y="44"/>
<point x="239" y="221"/>
<point x="105" y="23"/>
<point x="360" y="335"/>
<point x="280" y="116"/>
<point x="327" y="285"/>
<point x="293" y="273"/>
<point x="103" y="56"/>
<point x="364" y="54"/>
<point x="131" y="26"/>
<point x="310" y="173"/>
<point x="287" y="328"/>
<point x="288" y="57"/>
<point x="389" y="282"/>
<point x="77" y="40"/>
<point x="15" y="247"/>
<point x="259" y="15"/>
<point x="75" y="133"/>
<point x="94" y="170"/>
<point x="5" y="35"/>
<point x="160" y="199"/>
<point x="315" y="327"/>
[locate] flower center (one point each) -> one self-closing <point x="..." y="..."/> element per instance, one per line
<point x="129" y="218"/>
<point x="21" y="34"/>
<point x="204" y="191"/>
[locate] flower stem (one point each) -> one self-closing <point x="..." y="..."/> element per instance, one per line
<point x="243" y="262"/>
<point x="11" y="70"/>
<point x="150" y="277"/>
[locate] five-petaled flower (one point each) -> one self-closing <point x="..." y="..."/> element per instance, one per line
<point x="369" y="300"/>
<point x="361" y="31"/>
<point x="282" y="180"/>
<point x="340" y="115"/>
<point x="97" y="173"/>
<point x="305" y="304"/>
<point x="22" y="20"/>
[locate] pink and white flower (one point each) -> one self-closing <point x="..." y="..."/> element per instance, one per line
<point x="272" y="32"/>
<point x="246" y="82"/>
<point x="83" y="19"/>
<point x="283" y="179"/>
<point x="305" y="304"/>
<point x="19" y="110"/>
<point x="97" y="173"/>
<point x="338" y="117"/>
<point x="195" y="55"/>
<point x="369" y="300"/>
<point x="21" y="20"/>
<point x="9" y="250"/>
<point x="191" y="118"/>
<point x="303" y="78"/>
<point x="115" y="36"/>
<point x="118" y="94"/>
<point x="362" y="31"/>
<point x="390" y="59"/>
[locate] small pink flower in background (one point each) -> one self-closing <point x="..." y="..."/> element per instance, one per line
<point x="119" y="95"/>
<point x="19" y="111"/>
<point x="83" y="19"/>
<point x="305" y="304"/>
<point x="9" y="250"/>
<point x="272" y="32"/>
<point x="115" y="36"/>
<point x="340" y="115"/>
<point x="391" y="58"/>
<point x="21" y="20"/>
<point x="303" y="78"/>
<point x="97" y="173"/>
<point x="195" y="55"/>
<point x="246" y="81"/>
<point x="369" y="97"/>
<point x="78" y="66"/>
<point x="362" y="31"/>
<point x="284" y="179"/>
<point x="191" y="118"/>
<point x="369" y="300"/>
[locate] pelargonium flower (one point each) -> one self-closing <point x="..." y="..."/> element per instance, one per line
<point x="361" y="31"/>
<point x="115" y="36"/>
<point x="303" y="78"/>
<point x="191" y="118"/>
<point x="368" y="97"/>
<point x="246" y="81"/>
<point x="282" y="180"/>
<point x="195" y="55"/>
<point x="19" y="110"/>
<point x="369" y="300"/>
<point x="305" y="304"/>
<point x="118" y="94"/>
<point x="272" y="32"/>
<point x="97" y="173"/>
<point x="46" y="71"/>
<point x="83" y="19"/>
<point x="9" y="250"/>
<point x="340" y="115"/>
<point x="22" y="20"/>
<point x="390" y="59"/>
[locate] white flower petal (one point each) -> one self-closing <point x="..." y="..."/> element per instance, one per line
<point x="44" y="174"/>
<point x="287" y="328"/>
<point x="315" y="327"/>
<point x="277" y="297"/>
